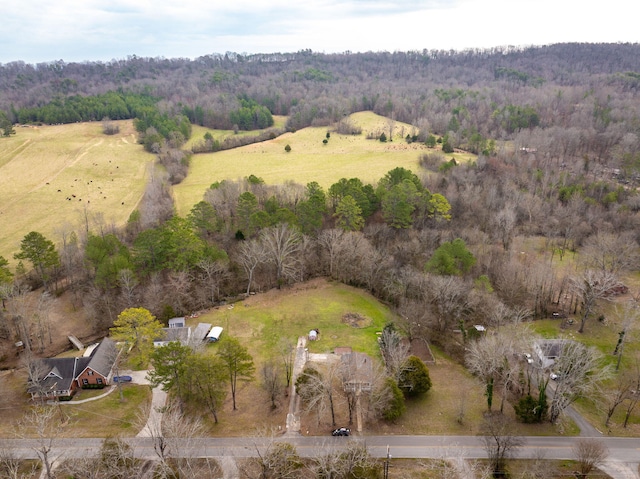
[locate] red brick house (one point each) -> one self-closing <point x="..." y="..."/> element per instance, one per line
<point x="54" y="378"/>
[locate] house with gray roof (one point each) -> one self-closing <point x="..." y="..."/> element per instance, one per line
<point x="548" y="350"/>
<point x="169" y="335"/>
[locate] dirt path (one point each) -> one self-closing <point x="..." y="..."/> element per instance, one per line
<point x="293" y="418"/>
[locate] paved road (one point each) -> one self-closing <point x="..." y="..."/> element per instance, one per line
<point x="625" y="450"/>
<point x="623" y="462"/>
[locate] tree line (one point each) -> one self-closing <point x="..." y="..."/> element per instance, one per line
<point x="569" y="100"/>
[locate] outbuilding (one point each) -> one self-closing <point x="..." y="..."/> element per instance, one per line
<point x="214" y="334"/>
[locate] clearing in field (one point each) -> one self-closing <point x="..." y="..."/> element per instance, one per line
<point x="344" y="156"/>
<point x="263" y="320"/>
<point x="61" y="177"/>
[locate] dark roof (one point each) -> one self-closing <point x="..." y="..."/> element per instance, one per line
<point x="60" y="373"/>
<point x="551" y="348"/>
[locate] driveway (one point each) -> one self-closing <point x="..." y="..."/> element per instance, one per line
<point x="158" y="400"/>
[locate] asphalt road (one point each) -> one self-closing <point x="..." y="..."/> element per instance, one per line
<point x="625" y="450"/>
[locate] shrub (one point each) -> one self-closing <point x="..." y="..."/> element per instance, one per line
<point x="414" y="378"/>
<point x="287" y="148"/>
<point x="391" y="400"/>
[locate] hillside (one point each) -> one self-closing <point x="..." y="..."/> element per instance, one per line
<point x="63" y="178"/>
<point x="344" y="156"/>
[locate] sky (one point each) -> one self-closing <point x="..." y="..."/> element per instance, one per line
<point x="36" y="31"/>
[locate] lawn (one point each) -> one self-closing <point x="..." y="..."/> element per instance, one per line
<point x="261" y="321"/>
<point x="62" y="177"/>
<point x="344" y="156"/>
<point x="108" y="416"/>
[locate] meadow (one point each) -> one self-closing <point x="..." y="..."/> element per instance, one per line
<point x="59" y="178"/>
<point x="344" y="156"/>
<point x="55" y="179"/>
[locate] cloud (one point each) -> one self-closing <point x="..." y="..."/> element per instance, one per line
<point x="73" y="30"/>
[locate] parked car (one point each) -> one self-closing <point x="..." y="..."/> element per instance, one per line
<point x="122" y="379"/>
<point x="341" y="431"/>
<point x="528" y="357"/>
<point x="554" y="376"/>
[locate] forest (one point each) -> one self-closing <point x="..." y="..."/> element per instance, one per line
<point x="543" y="219"/>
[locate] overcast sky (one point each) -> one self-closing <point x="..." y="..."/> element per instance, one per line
<point x="77" y="30"/>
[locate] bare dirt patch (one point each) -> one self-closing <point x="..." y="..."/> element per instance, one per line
<point x="419" y="347"/>
<point x="356" y="320"/>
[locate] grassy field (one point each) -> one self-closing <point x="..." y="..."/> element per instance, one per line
<point x="261" y="321"/>
<point x="55" y="178"/>
<point x="198" y="132"/>
<point x="108" y="417"/>
<point x="59" y="178"/>
<point x="344" y="156"/>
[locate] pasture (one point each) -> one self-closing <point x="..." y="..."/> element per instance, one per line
<point x="344" y="156"/>
<point x="64" y="178"/>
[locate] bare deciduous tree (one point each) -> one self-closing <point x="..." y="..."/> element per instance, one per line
<point x="282" y="244"/>
<point x="13" y="468"/>
<point x="589" y="453"/>
<point x="271" y="382"/>
<point x="505" y="223"/>
<point x="36" y="370"/>
<point x="611" y="253"/>
<point x="614" y="396"/>
<point x="169" y="434"/>
<point x="590" y="287"/>
<point x="40" y="422"/>
<point x="316" y="389"/>
<point x="128" y="283"/>
<point x="287" y="353"/>
<point x="274" y="460"/>
<point x="449" y="296"/>
<point x="330" y="241"/>
<point x="345" y="462"/>
<point x="491" y="359"/>
<point x="499" y="442"/>
<point x="252" y="254"/>
<point x="395" y="352"/>
<point x="580" y="373"/>
<point x="215" y="272"/>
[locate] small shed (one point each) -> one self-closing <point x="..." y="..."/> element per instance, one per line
<point x="177" y="323"/>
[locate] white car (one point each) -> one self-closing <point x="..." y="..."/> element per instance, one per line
<point x="528" y="357"/>
<point x="554" y="376"/>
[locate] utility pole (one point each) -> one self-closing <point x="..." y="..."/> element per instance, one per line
<point x="386" y="464"/>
